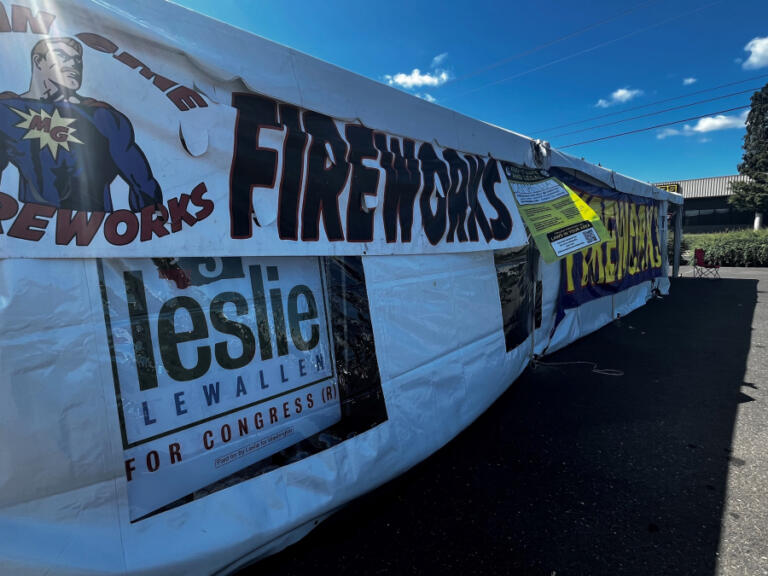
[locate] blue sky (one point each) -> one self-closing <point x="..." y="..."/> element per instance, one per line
<point x="530" y="66"/>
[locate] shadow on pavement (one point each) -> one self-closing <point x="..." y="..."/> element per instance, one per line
<point x="572" y="472"/>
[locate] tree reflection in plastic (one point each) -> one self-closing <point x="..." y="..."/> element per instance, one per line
<point x="514" y="272"/>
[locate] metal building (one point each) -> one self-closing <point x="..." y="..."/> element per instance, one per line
<point x="706" y="204"/>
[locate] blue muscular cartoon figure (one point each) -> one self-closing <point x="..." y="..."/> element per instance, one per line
<point x="68" y="149"/>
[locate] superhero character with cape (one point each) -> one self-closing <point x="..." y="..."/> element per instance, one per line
<point x="67" y="148"/>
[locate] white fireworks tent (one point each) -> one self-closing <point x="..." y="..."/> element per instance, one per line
<point x="240" y="287"/>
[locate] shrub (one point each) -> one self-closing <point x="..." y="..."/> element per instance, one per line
<point x="684" y="247"/>
<point x="737" y="248"/>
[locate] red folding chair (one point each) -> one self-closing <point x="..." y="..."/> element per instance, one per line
<point x="703" y="268"/>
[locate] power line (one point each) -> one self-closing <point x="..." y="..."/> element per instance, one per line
<point x="704" y="91"/>
<point x="655" y="113"/>
<point x="652" y="127"/>
<point x="552" y="42"/>
<point x="586" y="50"/>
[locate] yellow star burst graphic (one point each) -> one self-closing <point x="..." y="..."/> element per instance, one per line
<point x="53" y="130"/>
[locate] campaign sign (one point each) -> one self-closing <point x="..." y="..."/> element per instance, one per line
<point x="218" y="363"/>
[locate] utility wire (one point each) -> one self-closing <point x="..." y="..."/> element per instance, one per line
<point x="652" y="127"/>
<point x="586" y="50"/>
<point x="587" y="129"/>
<point x="625" y="110"/>
<point x="552" y="42"/>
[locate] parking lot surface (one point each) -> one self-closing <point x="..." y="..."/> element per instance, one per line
<point x="659" y="466"/>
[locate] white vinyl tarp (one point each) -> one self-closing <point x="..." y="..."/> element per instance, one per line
<point x="145" y="154"/>
<point x="236" y="293"/>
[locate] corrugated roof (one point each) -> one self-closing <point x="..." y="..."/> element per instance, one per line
<point x="705" y="187"/>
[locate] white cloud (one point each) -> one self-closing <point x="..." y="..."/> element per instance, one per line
<point x="666" y="133"/>
<point x="416" y="79"/>
<point x="758" y="58"/>
<point x="705" y="125"/>
<point x="619" y="96"/>
<point x="437" y="60"/>
<point x="427" y="97"/>
<point x="689" y="81"/>
<point x="719" y="122"/>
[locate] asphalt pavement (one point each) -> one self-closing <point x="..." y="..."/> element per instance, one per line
<point x="657" y="466"/>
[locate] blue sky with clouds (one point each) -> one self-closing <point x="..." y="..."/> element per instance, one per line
<point x="533" y="66"/>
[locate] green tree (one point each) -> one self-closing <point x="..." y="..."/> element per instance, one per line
<point x="753" y="194"/>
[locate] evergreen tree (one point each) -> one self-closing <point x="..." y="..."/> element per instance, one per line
<point x="753" y="195"/>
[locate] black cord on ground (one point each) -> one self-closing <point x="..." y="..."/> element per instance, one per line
<point x="595" y="369"/>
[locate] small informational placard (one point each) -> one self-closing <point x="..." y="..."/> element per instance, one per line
<point x="217" y="363"/>
<point x="560" y="222"/>
<point x="572" y="238"/>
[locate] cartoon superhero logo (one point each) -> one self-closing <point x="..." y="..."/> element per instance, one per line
<point x="52" y="130"/>
<point x="89" y="144"/>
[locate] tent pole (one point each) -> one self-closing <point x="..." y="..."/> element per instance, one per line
<point x="678" y="240"/>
